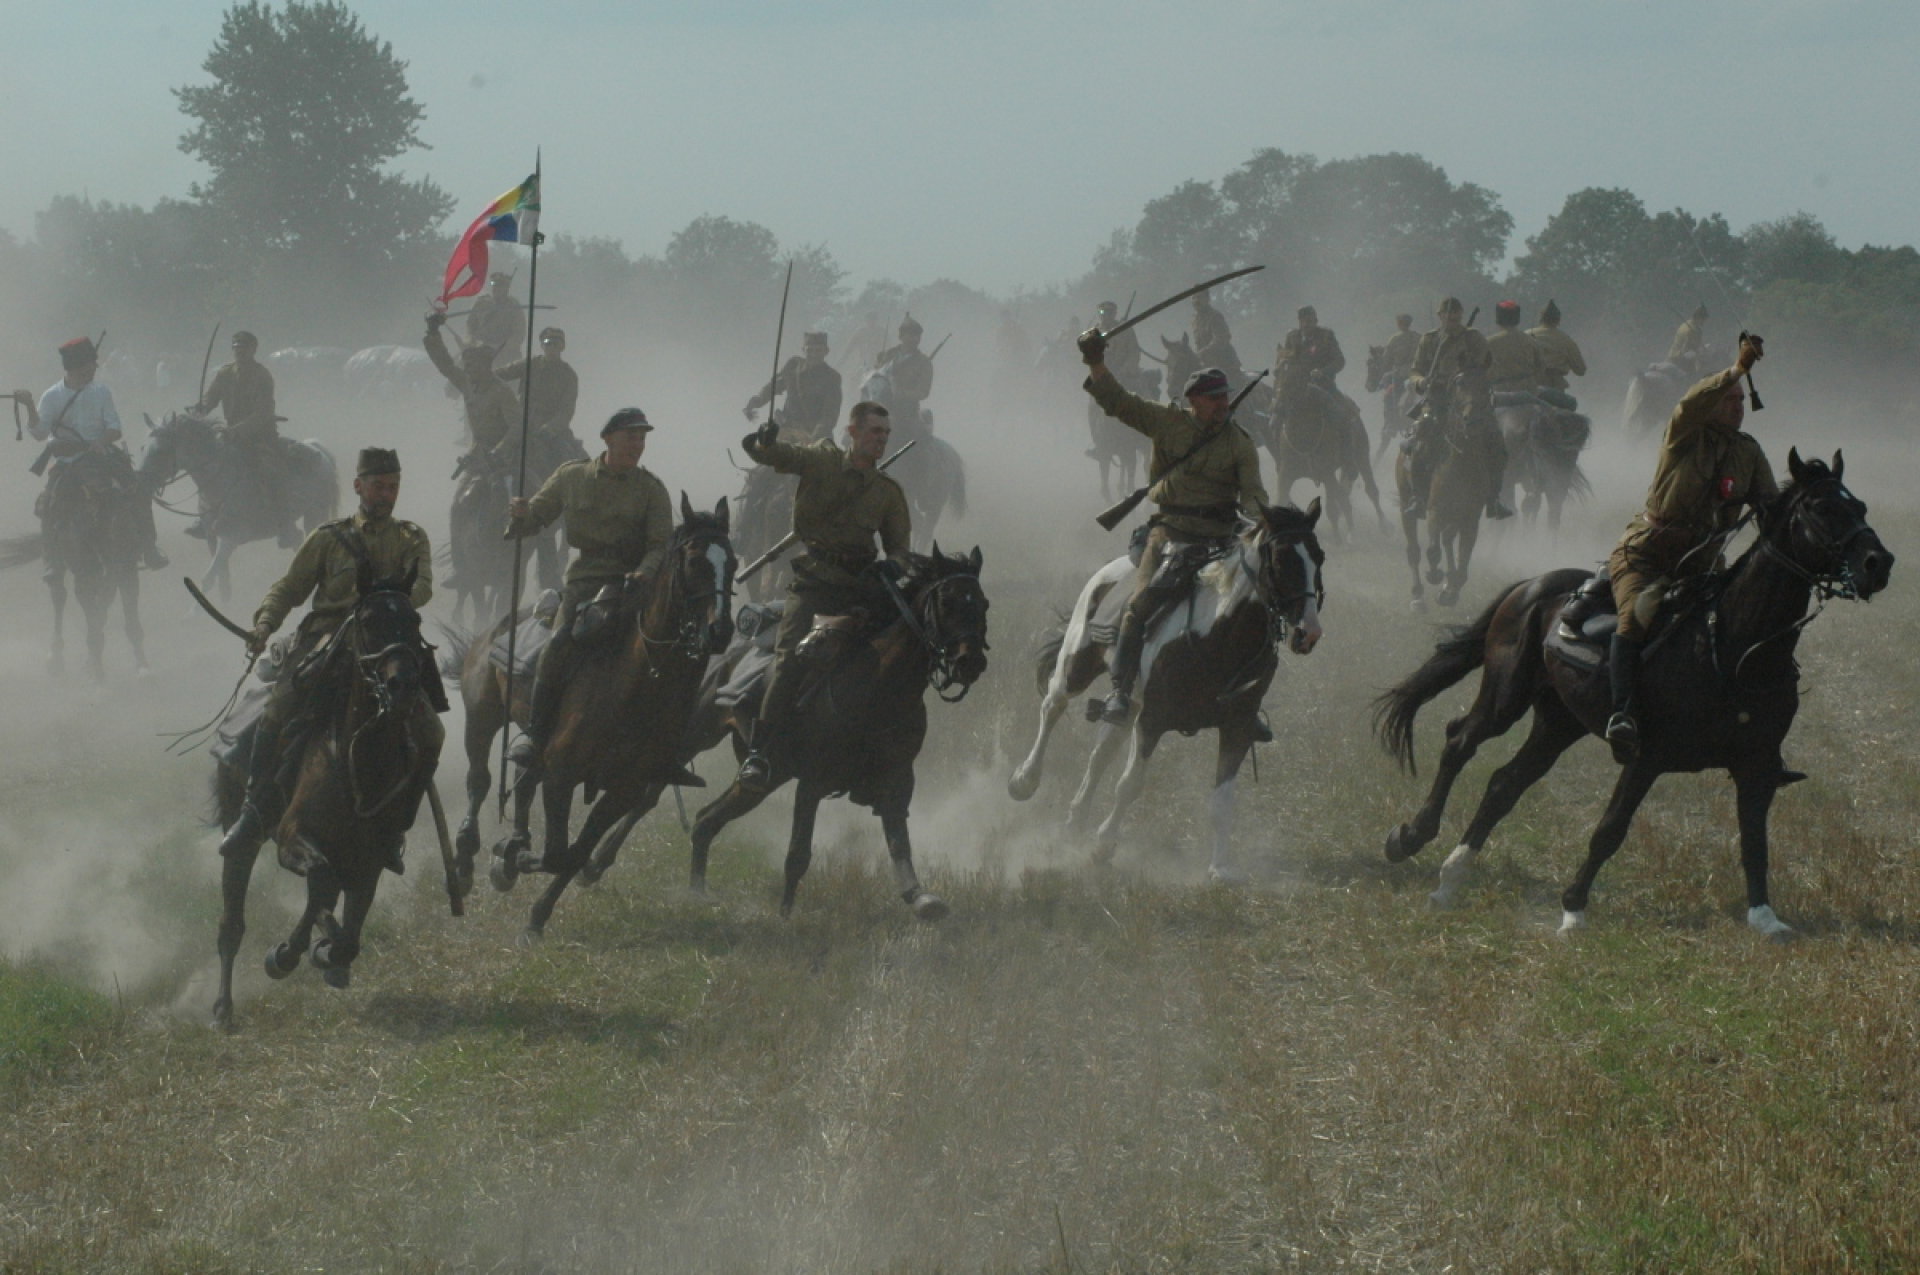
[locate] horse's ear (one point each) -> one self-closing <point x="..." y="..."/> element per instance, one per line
<point x="720" y="512"/>
<point x="686" y="508"/>
<point x="974" y="559"/>
<point x="937" y="556"/>
<point x="1313" y="512"/>
<point x="1795" y="466"/>
<point x="1839" y="463"/>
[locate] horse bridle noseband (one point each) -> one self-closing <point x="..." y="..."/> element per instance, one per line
<point x="368" y="666"/>
<point x="690" y="639"/>
<point x="942" y="673"/>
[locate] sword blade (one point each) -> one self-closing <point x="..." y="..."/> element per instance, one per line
<point x="206" y="605"/>
<point x="1152" y="310"/>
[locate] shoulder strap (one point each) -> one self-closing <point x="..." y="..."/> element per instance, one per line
<point x="342" y="530"/>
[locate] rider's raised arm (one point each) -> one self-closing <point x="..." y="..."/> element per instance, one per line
<point x="437" y="351"/>
<point x="1136" y="413"/>
<point x="1696" y="410"/>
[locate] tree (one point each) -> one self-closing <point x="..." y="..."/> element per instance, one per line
<point x="304" y="110"/>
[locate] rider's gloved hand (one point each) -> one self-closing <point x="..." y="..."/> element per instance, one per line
<point x="436" y="320"/>
<point x="257" y="639"/>
<point x="1093" y="347"/>
<point x="889" y="570"/>
<point x="766" y="436"/>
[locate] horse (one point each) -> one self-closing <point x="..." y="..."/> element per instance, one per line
<point x="1654" y="393"/>
<point x="1206" y="666"/>
<point x="1182" y="363"/>
<point x="1544" y="443"/>
<point x="1318" y="435"/>
<point x="1456" y="496"/>
<point x="89" y="530"/>
<point x="479" y="557"/>
<point x="360" y="770"/>
<point x="1392" y="388"/>
<point x="1719" y="685"/>
<point x="933" y="476"/>
<point x="621" y="717"/>
<point x="766" y="516"/>
<point x="237" y="506"/>
<point x="859" y="727"/>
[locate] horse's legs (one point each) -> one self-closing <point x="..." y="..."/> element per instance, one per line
<point x="480" y="730"/>
<point x="1554" y="731"/>
<point x="1505" y="695"/>
<point x="926" y="905"/>
<point x="1132" y="780"/>
<point x="714" y="816"/>
<point x="91" y="591"/>
<point x="1410" y="528"/>
<point x="334" y="955"/>
<point x="1026" y="776"/>
<point x="557" y="812"/>
<point x="130" y="616"/>
<point x="1755" y="798"/>
<point x="56" y="578"/>
<point x="1106" y="743"/>
<point x="1234" y="743"/>
<point x="323" y="887"/>
<point x="1459" y="540"/>
<point x="235" y="873"/>
<point x="604" y="848"/>
<point x="806" y="805"/>
<point x="1635" y="781"/>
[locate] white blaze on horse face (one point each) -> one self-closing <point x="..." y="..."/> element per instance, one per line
<point x="717" y="555"/>
<point x="1309" y="626"/>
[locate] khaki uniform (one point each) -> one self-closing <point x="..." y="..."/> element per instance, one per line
<point x="1515" y="363"/>
<point x="1439" y="358"/>
<point x="493" y="409"/>
<point x="325" y="569"/>
<point x="912" y="380"/>
<point x="1213" y="343"/>
<point x="244" y="394"/>
<point x="1688" y="339"/>
<point x="1707" y="475"/>
<point x="617" y="520"/>
<point x="499" y="323"/>
<point x="812" y="407"/>
<point x="1560" y="354"/>
<point x="553" y="391"/>
<point x="1458" y="394"/>
<point x="1399" y="351"/>
<point x="1123" y="358"/>
<point x="1306" y="351"/>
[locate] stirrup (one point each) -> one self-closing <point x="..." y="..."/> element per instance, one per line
<point x="756" y="773"/>
<point x="1623" y="733"/>
<point x="1118" y="710"/>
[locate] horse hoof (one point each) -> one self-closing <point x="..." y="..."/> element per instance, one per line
<point x="1023" y="784"/>
<point x="503" y="873"/>
<point x="223" y="1016"/>
<point x="1399" y="849"/>
<point x="338" y="979"/>
<point x="1769" y="925"/>
<point x="1436" y="576"/>
<point x="590" y="873"/>
<point x="530" y="937"/>
<point x="466" y="842"/>
<point x="1419" y="605"/>
<point x="1226" y="876"/>
<point x="1571" y="923"/>
<point x="282" y="961"/>
<point x="1440" y="901"/>
<point x="930" y="907"/>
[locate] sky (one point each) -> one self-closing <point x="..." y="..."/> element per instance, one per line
<point x="1002" y="143"/>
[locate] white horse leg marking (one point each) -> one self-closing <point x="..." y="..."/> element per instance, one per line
<point x="1763" y="919"/>
<point x="1106" y="743"/>
<point x="1453" y="874"/>
<point x="1026" y="776"/>
<point x="1132" y="780"/>
<point x="1571" y="922"/>
<point x="1220" y="806"/>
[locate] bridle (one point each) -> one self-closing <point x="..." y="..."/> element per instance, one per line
<point x="688" y="636"/>
<point x="1835" y="580"/>
<point x="943" y="671"/>
<point x="367" y="667"/>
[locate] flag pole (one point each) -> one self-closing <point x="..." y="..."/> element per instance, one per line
<point x="520" y="483"/>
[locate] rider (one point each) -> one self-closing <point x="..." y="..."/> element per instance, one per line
<point x="618" y="519"/>
<point x="327" y="566"/>
<point x="492" y="408"/>
<point x="842" y="502"/>
<point x="1400" y="347"/>
<point x="552" y="392"/>
<point x="910" y="374"/>
<point x="1450" y="369"/>
<point x="243" y="393"/>
<point x="76" y="417"/>
<point x="1709" y="471"/>
<point x="1205" y="474"/>
<point x="496" y="320"/>
<point x="813" y="392"/>
<point x="1515" y="362"/>
<point x="1212" y="340"/>
<point x="1689" y="341"/>
<point x="1562" y="356"/>
<point x="1307" y="361"/>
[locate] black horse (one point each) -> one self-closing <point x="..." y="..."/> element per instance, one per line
<point x="1719" y="685"/>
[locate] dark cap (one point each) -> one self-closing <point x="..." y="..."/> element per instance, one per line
<point x="1108" y="307"/>
<point x="244" y="337"/>
<point x="546" y="333"/>
<point x="1307" y="312"/>
<point x="625" y="418"/>
<point x="1700" y="311"/>
<point x="499" y="276"/>
<point x="1551" y="314"/>
<point x="910" y="324"/>
<point x="1207" y="381"/>
<point x="1404" y="320"/>
<point x="1450" y="305"/>
<point x="813" y="338"/>
<point x="78" y="352"/>
<point x="375" y="461"/>
<point x="1507" y="314"/>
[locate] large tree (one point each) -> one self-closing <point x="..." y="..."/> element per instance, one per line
<point x="305" y="110"/>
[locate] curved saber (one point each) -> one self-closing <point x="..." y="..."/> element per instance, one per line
<point x="1152" y="310"/>
<point x="207" y="362"/>
<point x="207" y="605"/>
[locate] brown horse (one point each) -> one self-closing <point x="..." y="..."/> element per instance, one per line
<point x="1392" y="388"/>
<point x="860" y="725"/>
<point x="361" y="769"/>
<point x="1206" y="665"/>
<point x="1719" y="686"/>
<point x="621" y="717"/>
<point x="1318" y="436"/>
<point x="1456" y="496"/>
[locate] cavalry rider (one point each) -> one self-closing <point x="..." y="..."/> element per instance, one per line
<point x="327" y="567"/>
<point x="1399" y="348"/>
<point x="1205" y="473"/>
<point x="1515" y="362"/>
<point x="1689" y="341"/>
<point x="843" y="501"/>
<point x="910" y="374"/>
<point x="1123" y="360"/>
<point x="618" y="520"/>
<point x="492" y="408"/>
<point x="1213" y="340"/>
<point x="1306" y="363"/>
<point x="1450" y="369"/>
<point x="243" y="393"/>
<point x="1709" y="471"/>
<point x="812" y="405"/>
<point x="76" y="417"/>
<point x="496" y="320"/>
<point x="1562" y="357"/>
<point x="552" y="393"/>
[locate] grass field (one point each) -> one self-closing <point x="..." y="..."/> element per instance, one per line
<point x="1125" y="1070"/>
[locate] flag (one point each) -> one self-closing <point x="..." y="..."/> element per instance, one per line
<point x="512" y="218"/>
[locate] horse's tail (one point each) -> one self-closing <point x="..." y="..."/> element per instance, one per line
<point x="1047" y="656"/>
<point x="1457" y="654"/>
<point x="18" y="551"/>
<point x="958" y="495"/>
<point x="453" y="655"/>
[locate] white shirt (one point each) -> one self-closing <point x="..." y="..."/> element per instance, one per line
<point x="91" y="417"/>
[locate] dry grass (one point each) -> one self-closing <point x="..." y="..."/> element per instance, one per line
<point x="1124" y="1071"/>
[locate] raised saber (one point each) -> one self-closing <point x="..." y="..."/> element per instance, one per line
<point x="206" y="362"/>
<point x="793" y="537"/>
<point x="206" y="604"/>
<point x="1177" y="297"/>
<point x="779" y="331"/>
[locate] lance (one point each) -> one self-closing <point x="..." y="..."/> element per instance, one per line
<point x="520" y="480"/>
<point x="205" y="363"/>
<point x="793" y="537"/>
<point x="1152" y="310"/>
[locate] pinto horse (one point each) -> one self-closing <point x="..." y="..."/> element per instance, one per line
<point x="1206" y="665"/>
<point x="361" y="770"/>
<point x="1718" y="686"/>
<point x="621" y="717"/>
<point x="859" y="728"/>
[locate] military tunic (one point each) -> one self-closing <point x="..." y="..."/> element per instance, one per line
<point x="1309" y="350"/>
<point x="618" y="520"/>
<point x="493" y="409"/>
<point x="326" y="569"/>
<point x="1201" y="497"/>
<point x="911" y="378"/>
<point x="1708" y="473"/>
<point x="1688" y="339"/>
<point x="1515" y="363"/>
<point x="497" y="322"/>
<point x="553" y="391"/>
<point x="1399" y="352"/>
<point x="244" y="394"/>
<point x="1561" y="355"/>
<point x="813" y="395"/>
<point x="1440" y="357"/>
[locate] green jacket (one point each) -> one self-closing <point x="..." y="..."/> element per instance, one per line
<point x="1515" y="361"/>
<point x="493" y="409"/>
<point x="838" y="508"/>
<point x="328" y="571"/>
<point x="1224" y="474"/>
<point x="1561" y="353"/>
<point x="618" y="520"/>
<point x="1707" y="475"/>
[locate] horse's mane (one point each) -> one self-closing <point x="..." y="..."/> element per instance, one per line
<point x="1773" y="513"/>
<point x="1288" y="520"/>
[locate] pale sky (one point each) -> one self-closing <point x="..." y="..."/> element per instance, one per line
<point x="1000" y="143"/>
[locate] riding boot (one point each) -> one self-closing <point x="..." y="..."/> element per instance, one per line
<point x="1127" y="649"/>
<point x="1623" y="672"/>
<point x="776" y="706"/>
<point x="261" y="801"/>
<point x="530" y="750"/>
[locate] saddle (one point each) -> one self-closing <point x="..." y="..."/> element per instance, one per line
<point x="834" y="642"/>
<point x="530" y="636"/>
<point x="1587" y="622"/>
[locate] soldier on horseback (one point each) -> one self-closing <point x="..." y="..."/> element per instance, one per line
<point x="1213" y="340"/>
<point x="812" y="390"/>
<point x="1451" y="367"/>
<point x="329" y="565"/>
<point x="841" y="504"/>
<point x="242" y="391"/>
<point x="1689" y="341"/>
<point x="1561" y="355"/>
<point x="1400" y="347"/>
<point x="77" y="420"/>
<point x="618" y="519"/>
<point x="1515" y="362"/>
<point x="492" y="408"/>
<point x="1305" y="364"/>
<point x="552" y="393"/>
<point x="910" y="376"/>
<point x="1205" y="473"/>
<point x="497" y="320"/>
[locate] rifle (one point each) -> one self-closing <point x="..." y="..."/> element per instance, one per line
<point x="793" y="537"/>
<point x="45" y="457"/>
<point x="1426" y="380"/>
<point x="943" y="345"/>
<point x="1118" y="512"/>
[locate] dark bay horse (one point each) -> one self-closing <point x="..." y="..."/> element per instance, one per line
<point x="362" y="767"/>
<point x="860" y="726"/>
<point x="1456" y="497"/>
<point x="1392" y="388"/>
<point x="89" y="533"/>
<point x="1319" y="436"/>
<point x="480" y="558"/>
<point x="236" y="505"/>
<point x="1718" y="687"/>
<point x="622" y="715"/>
<point x="1544" y="443"/>
<point x="1206" y="666"/>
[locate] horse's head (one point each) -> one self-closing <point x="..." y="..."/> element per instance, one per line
<point x="1821" y="527"/>
<point x="701" y="559"/>
<point x="951" y="608"/>
<point x="384" y="637"/>
<point x="1182" y="362"/>
<point x="1288" y="577"/>
<point x="1376" y="367"/>
<point x="877" y="386"/>
<point x="181" y="441"/>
